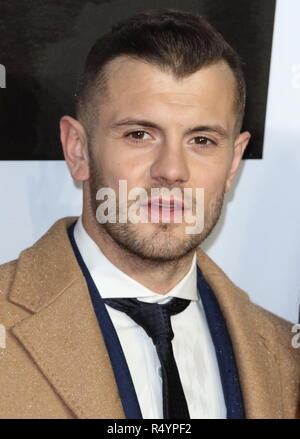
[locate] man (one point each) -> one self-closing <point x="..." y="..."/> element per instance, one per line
<point x="130" y="319"/>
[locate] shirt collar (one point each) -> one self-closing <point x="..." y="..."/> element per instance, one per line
<point x="112" y="282"/>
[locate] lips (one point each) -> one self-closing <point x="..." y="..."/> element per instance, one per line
<point x="165" y="209"/>
<point x="165" y="204"/>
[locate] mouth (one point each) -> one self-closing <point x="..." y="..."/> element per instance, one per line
<point x="165" y="209"/>
<point x="164" y="204"/>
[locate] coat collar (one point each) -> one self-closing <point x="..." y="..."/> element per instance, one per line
<point x="62" y="334"/>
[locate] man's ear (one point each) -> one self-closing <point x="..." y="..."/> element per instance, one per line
<point x="239" y="147"/>
<point x="75" y="146"/>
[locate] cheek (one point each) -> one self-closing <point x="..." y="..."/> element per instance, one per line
<point x="120" y="167"/>
<point x="212" y="178"/>
<point x="110" y="165"/>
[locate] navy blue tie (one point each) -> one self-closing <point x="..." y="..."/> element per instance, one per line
<point x="156" y="321"/>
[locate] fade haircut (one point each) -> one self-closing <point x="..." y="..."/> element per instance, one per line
<point x="177" y="42"/>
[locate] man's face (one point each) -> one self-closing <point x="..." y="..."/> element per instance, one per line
<point x="155" y="131"/>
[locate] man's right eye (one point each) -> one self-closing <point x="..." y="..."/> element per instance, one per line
<point x="137" y="135"/>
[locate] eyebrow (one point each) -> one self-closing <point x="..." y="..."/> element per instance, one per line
<point x="215" y="128"/>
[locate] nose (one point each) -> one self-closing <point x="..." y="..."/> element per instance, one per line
<point x="170" y="165"/>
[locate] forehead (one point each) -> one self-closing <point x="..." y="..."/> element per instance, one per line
<point x="137" y="85"/>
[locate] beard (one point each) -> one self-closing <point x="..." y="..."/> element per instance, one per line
<point x="162" y="245"/>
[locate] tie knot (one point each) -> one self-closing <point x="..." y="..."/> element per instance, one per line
<point x="154" y="318"/>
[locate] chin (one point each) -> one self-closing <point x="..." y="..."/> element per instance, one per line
<point x="163" y="245"/>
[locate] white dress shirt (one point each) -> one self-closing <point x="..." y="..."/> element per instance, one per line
<point x="193" y="348"/>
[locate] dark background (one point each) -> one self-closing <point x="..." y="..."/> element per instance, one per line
<point x="43" y="44"/>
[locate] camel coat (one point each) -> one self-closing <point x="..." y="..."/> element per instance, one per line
<point x="55" y="363"/>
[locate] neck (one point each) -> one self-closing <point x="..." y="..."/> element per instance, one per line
<point x="156" y="276"/>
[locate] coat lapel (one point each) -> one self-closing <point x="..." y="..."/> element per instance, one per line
<point x="62" y="334"/>
<point x="253" y="344"/>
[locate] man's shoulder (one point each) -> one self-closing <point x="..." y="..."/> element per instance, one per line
<point x="279" y="322"/>
<point x="271" y="327"/>
<point x="284" y="329"/>
<point x="32" y="264"/>
<point x="50" y="238"/>
<point x="274" y="331"/>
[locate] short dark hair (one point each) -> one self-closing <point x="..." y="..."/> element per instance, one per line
<point x="175" y="41"/>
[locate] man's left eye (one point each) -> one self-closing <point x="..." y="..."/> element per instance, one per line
<point x="202" y="140"/>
